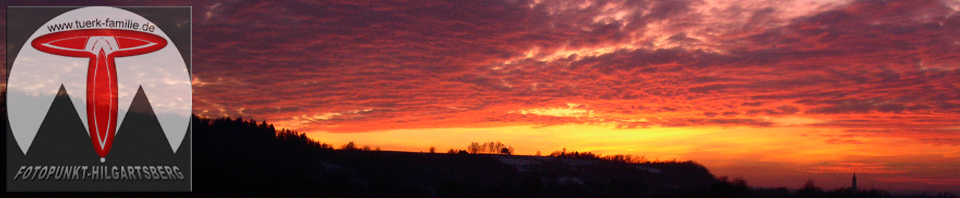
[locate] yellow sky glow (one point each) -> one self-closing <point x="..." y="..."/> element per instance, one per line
<point x="724" y="150"/>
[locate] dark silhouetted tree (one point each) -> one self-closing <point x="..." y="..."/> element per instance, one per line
<point x="736" y="188"/>
<point x="474" y="148"/>
<point x="350" y="146"/>
<point x="489" y="147"/>
<point x="810" y="190"/>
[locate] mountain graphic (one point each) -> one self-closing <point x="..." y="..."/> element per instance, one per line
<point x="62" y="141"/>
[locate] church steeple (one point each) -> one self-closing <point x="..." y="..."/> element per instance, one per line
<point x="854" y="181"/>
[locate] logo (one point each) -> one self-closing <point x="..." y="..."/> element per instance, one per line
<point x="99" y="99"/>
<point x="101" y="46"/>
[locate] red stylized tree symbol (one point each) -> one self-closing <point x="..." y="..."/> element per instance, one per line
<point x="101" y="46"/>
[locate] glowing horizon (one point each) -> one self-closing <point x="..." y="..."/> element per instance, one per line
<point x="829" y="159"/>
<point x="776" y="92"/>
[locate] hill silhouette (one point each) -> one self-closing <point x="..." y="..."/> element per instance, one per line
<point x="243" y="156"/>
<point x="247" y="158"/>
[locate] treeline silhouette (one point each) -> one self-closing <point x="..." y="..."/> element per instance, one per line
<point x="247" y="158"/>
<point x="242" y="156"/>
<point x="630" y="159"/>
<point x="487" y="148"/>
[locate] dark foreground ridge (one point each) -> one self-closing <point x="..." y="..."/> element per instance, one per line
<point x="239" y="157"/>
<point x="245" y="157"/>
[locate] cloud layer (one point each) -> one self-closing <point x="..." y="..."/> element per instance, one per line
<point x="865" y="66"/>
<point x="354" y="67"/>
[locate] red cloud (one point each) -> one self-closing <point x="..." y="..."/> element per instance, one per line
<point x="321" y="65"/>
<point x="426" y="66"/>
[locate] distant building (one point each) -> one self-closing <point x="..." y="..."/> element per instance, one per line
<point x="854" y="181"/>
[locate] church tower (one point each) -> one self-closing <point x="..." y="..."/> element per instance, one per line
<point x="854" y="181"/>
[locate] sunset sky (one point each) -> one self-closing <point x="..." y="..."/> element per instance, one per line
<point x="776" y="92"/>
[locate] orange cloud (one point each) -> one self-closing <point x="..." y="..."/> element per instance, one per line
<point x="853" y="167"/>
